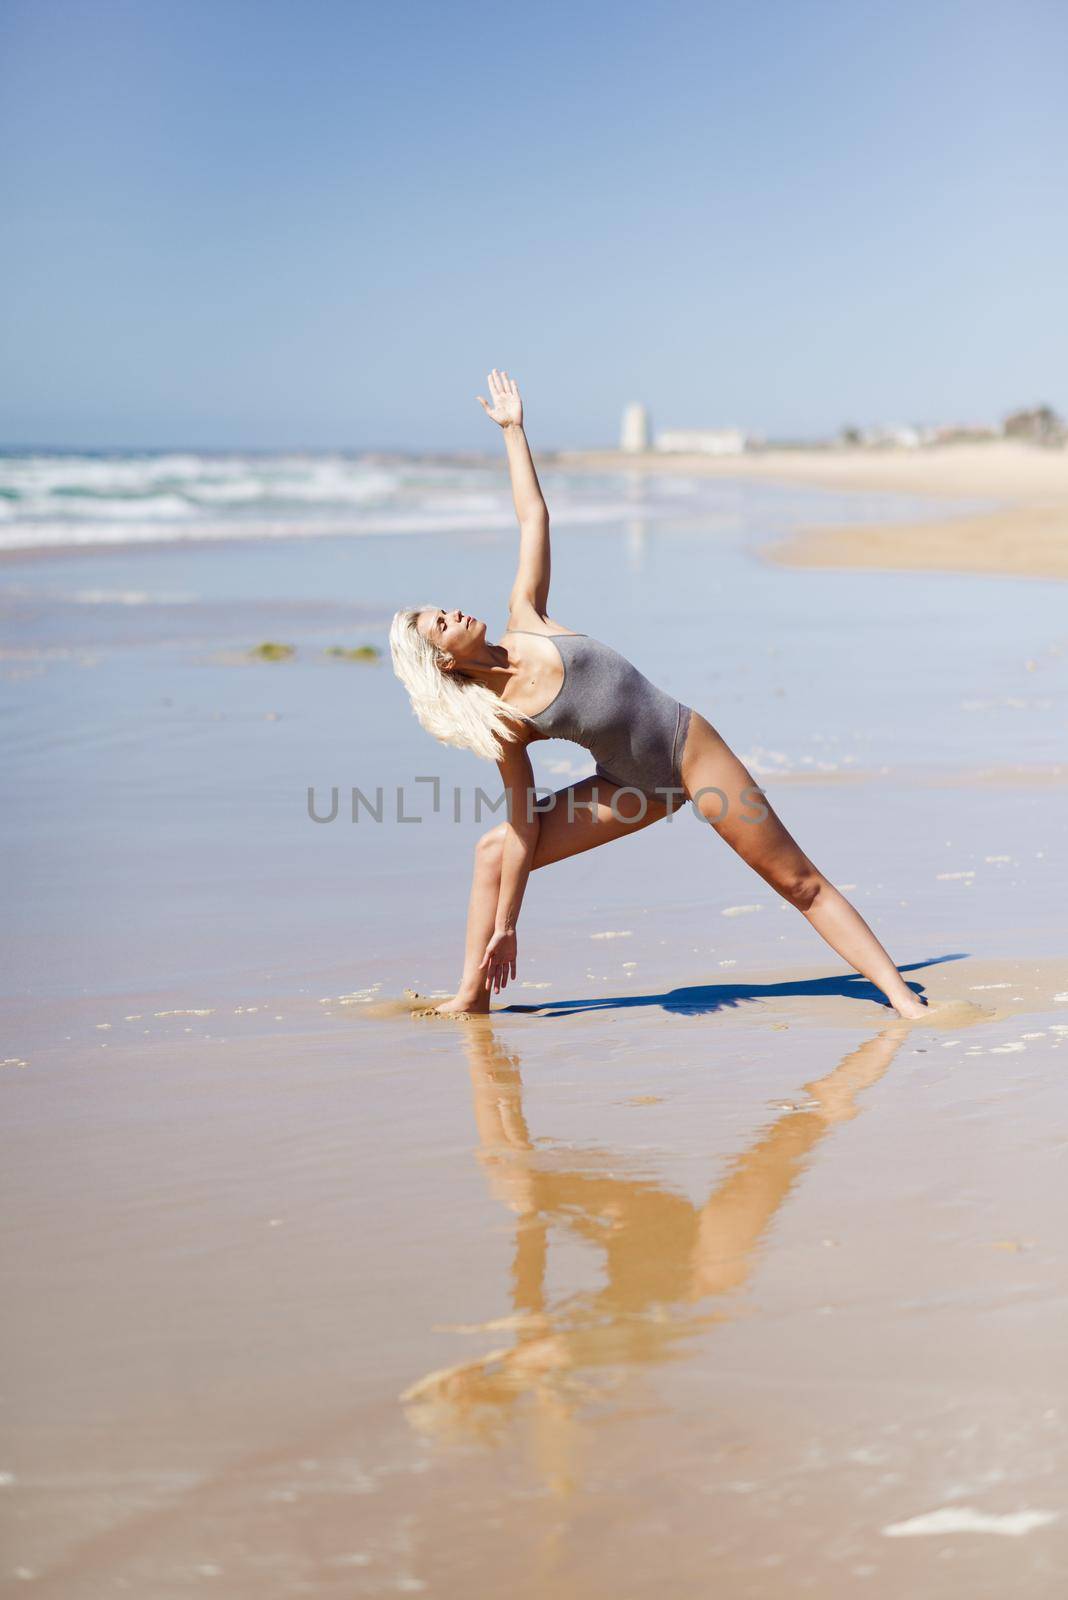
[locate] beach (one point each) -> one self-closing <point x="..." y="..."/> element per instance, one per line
<point x="689" y="1267"/>
<point x="1022" y="531"/>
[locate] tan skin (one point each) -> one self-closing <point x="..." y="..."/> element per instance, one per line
<point x="526" y="672"/>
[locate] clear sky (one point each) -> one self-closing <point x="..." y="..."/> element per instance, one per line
<point x="284" y="223"/>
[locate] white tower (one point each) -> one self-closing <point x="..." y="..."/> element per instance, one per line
<point x="634" y="435"/>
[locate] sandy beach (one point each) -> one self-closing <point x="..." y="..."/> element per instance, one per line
<point x="689" y="1270"/>
<point x="689" y="1265"/>
<point x="1023" y="532"/>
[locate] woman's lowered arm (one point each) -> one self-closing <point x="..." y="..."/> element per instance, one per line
<point x="522" y="831"/>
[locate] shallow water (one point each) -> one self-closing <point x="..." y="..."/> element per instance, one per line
<point x="135" y="732"/>
<point x="688" y="1267"/>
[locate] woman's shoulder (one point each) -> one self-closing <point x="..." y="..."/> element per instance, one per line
<point x="523" y="618"/>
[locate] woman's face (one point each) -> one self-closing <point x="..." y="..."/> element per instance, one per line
<point x="455" y="632"/>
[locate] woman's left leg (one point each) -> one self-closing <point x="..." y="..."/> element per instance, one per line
<point x="579" y="817"/>
<point x="709" y="764"/>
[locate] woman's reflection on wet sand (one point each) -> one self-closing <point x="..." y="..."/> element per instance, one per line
<point x="671" y="1268"/>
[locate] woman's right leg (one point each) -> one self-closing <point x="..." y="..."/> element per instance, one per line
<point x="564" y="831"/>
<point x="731" y="804"/>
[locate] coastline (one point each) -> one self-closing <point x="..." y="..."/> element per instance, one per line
<point x="1024" y="533"/>
<point x="1006" y="507"/>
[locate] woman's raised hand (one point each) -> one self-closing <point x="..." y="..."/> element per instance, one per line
<point x="507" y="408"/>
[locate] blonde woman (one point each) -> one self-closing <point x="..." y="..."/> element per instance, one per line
<point x="654" y="753"/>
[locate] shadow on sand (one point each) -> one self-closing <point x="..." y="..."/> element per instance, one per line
<point x="701" y="999"/>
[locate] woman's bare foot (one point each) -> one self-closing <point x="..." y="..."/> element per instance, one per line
<point x="457" y="1006"/>
<point x="912" y="1009"/>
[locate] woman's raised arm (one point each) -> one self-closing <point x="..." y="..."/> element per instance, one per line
<point x="532" y="575"/>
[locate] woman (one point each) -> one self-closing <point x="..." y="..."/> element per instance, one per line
<point x="653" y="753"/>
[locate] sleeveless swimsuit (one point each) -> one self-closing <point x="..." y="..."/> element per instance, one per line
<point x="635" y="730"/>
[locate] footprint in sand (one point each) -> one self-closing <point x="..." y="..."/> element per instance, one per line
<point x="410" y="1004"/>
<point x="955" y="1014"/>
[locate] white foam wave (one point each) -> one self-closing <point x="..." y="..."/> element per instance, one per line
<point x="101" y="508"/>
<point x="48" y="501"/>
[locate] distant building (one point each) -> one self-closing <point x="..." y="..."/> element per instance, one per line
<point x="1040" y="425"/>
<point x="894" y="435"/>
<point x="905" y="436"/>
<point x="634" y="434"/>
<point x="702" y="441"/>
<point x="961" y="433"/>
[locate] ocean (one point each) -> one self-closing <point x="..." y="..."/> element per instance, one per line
<point x="53" y="499"/>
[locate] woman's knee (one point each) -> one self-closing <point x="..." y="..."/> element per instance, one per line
<point x="802" y="888"/>
<point x="490" y="848"/>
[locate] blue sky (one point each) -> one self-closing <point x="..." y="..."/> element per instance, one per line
<point x="250" y="223"/>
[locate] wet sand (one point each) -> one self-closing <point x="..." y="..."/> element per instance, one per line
<point x="740" y="1281"/>
<point x="1024" y="532"/>
<point x="690" y="1269"/>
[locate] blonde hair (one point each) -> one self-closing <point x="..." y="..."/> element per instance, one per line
<point x="456" y="710"/>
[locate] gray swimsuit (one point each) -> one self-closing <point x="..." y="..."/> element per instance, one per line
<point x="635" y="730"/>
